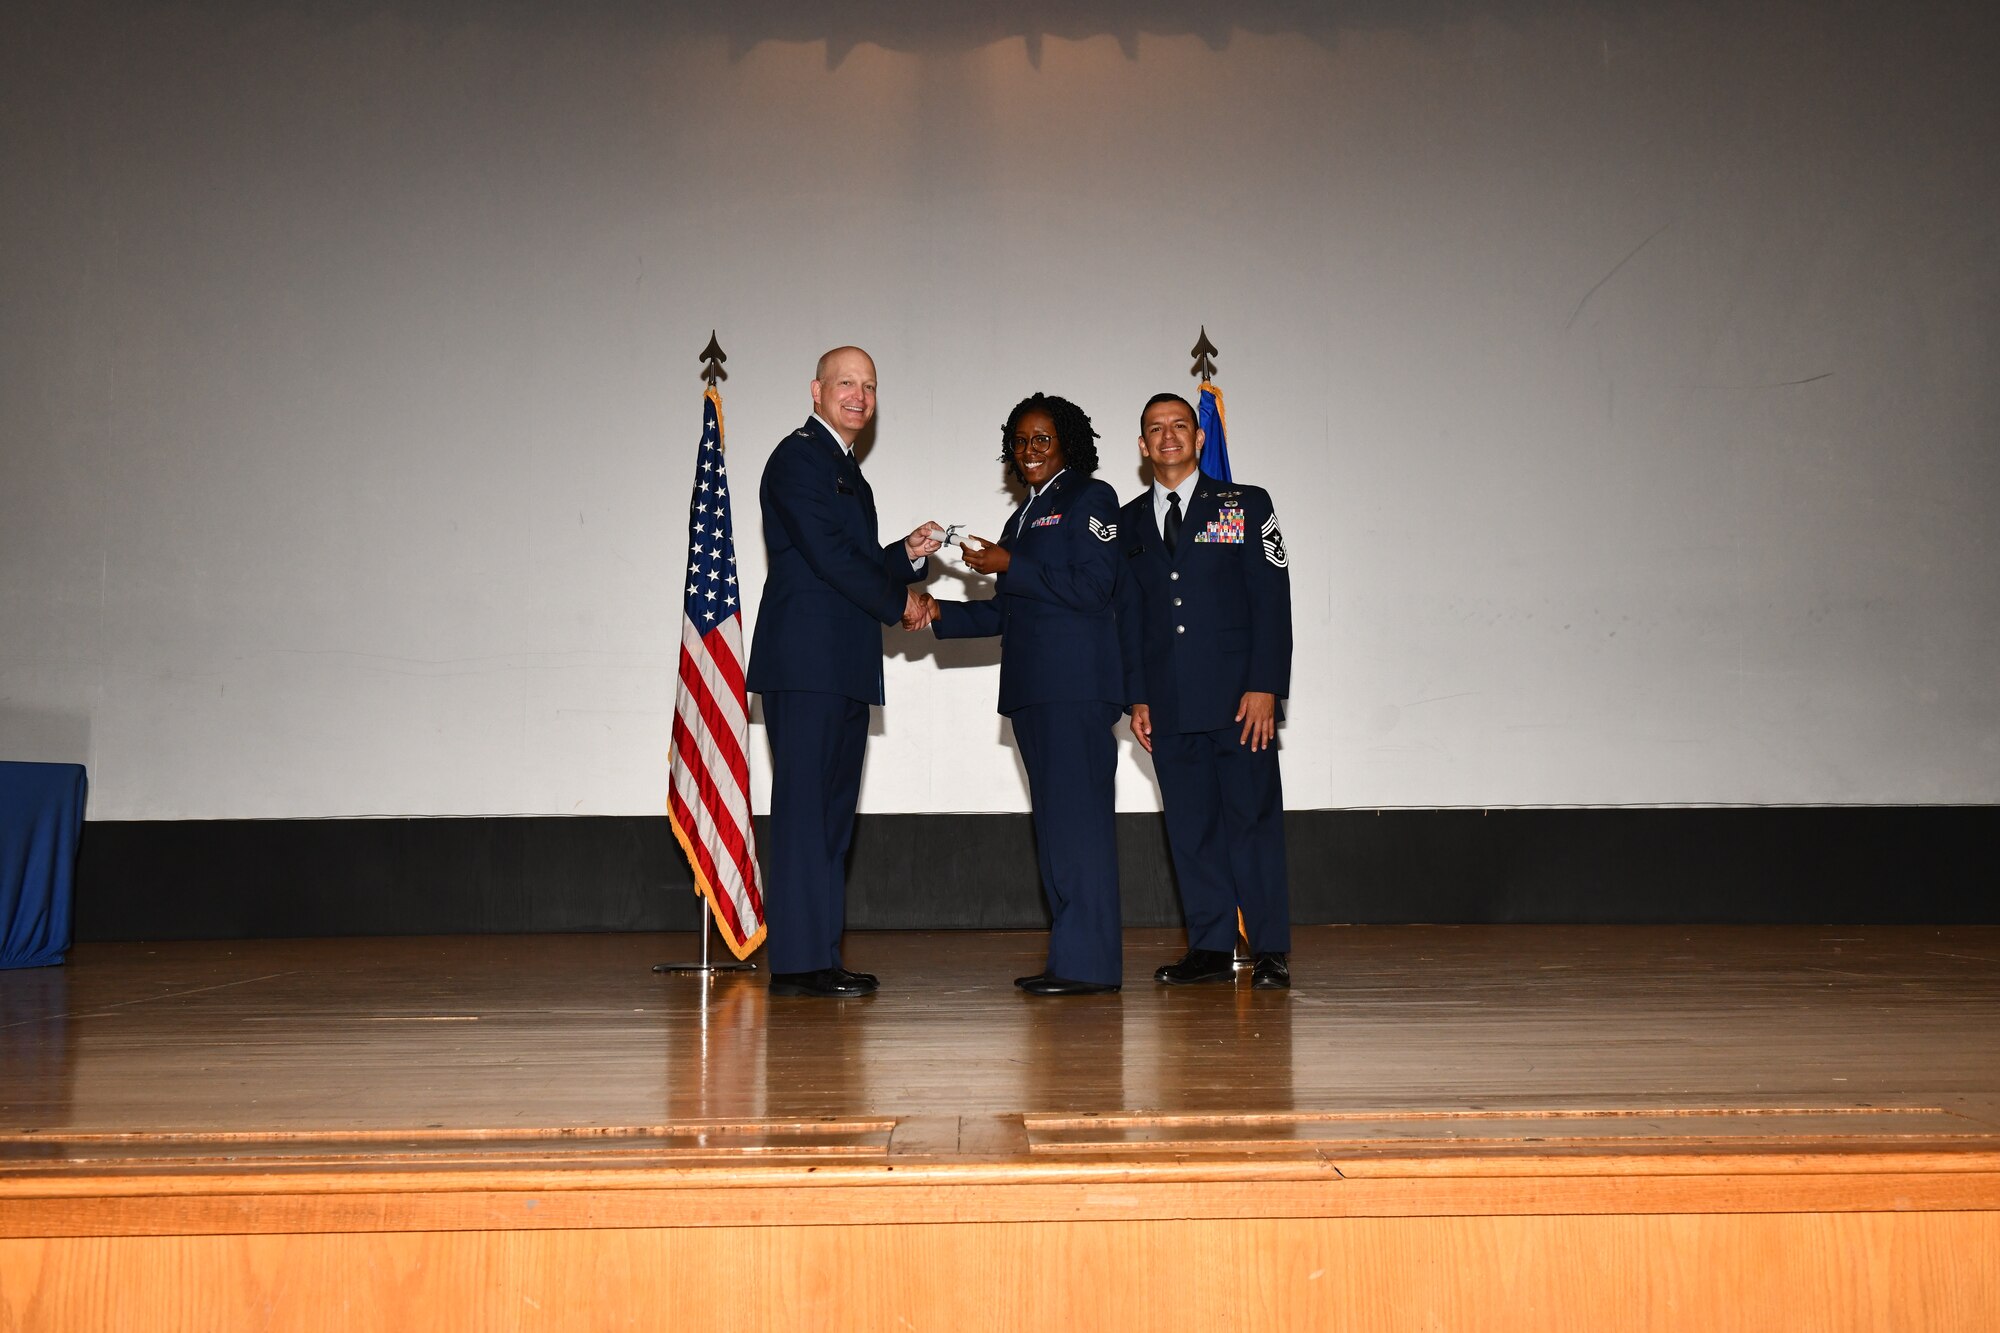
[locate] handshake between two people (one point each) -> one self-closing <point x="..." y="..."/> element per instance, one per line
<point x="983" y="556"/>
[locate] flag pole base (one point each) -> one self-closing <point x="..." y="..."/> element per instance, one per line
<point x="704" y="966"/>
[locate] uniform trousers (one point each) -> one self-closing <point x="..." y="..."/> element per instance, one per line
<point x="1226" y="829"/>
<point x="817" y="743"/>
<point x="1072" y="762"/>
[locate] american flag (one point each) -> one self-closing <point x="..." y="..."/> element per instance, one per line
<point x="709" y="800"/>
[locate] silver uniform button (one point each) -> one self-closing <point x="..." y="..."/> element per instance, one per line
<point x="1175" y="576"/>
<point x="1177" y="601"/>
<point x="1180" y="629"/>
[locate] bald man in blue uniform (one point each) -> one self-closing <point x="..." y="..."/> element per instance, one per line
<point x="816" y="658"/>
<point x="1205" y="617"/>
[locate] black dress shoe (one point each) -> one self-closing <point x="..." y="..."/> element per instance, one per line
<point x="1271" y="972"/>
<point x="1050" y="984"/>
<point x="866" y="979"/>
<point x="1025" y="982"/>
<point x="1199" y="965"/>
<point x="826" y="984"/>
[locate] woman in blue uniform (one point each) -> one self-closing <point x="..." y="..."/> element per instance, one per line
<point x="1055" y="569"/>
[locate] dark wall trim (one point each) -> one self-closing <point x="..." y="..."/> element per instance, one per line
<point x="243" y="879"/>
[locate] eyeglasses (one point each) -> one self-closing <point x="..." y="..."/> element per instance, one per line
<point x="1034" y="444"/>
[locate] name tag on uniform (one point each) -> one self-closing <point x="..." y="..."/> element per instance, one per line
<point x="1226" y="528"/>
<point x="1048" y="522"/>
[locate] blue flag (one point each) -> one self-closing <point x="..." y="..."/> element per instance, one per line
<point x="1209" y="418"/>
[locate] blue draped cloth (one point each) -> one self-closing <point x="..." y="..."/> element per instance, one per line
<point x="41" y="820"/>
<point x="1209" y="419"/>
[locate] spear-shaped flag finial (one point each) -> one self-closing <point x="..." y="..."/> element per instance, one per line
<point x="1208" y="411"/>
<point x="1204" y="355"/>
<point x="712" y="354"/>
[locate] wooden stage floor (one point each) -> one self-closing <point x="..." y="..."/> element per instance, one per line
<point x="556" y="1084"/>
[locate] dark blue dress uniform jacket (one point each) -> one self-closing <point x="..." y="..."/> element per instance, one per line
<point x="829" y="585"/>
<point x="1203" y="626"/>
<point x="1053" y="608"/>
<point x="816" y="658"/>
<point x="1062" y="685"/>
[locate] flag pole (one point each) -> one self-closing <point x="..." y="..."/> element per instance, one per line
<point x="712" y="358"/>
<point x="705" y="967"/>
<point x="1204" y="353"/>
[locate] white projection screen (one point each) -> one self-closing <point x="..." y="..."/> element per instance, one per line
<point x="1624" y="374"/>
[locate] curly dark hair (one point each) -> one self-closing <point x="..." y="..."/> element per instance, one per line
<point x="1073" y="429"/>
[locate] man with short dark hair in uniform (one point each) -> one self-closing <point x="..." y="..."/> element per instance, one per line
<point x="1205" y="620"/>
<point x="816" y="658"/>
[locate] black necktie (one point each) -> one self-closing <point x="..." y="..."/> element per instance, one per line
<point x="1172" y="529"/>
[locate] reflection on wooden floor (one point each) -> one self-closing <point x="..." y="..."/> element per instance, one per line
<point x="1443" y="1033"/>
<point x="490" y="1084"/>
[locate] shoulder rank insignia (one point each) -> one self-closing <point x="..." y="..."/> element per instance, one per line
<point x="1274" y="543"/>
<point x="1104" y="532"/>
